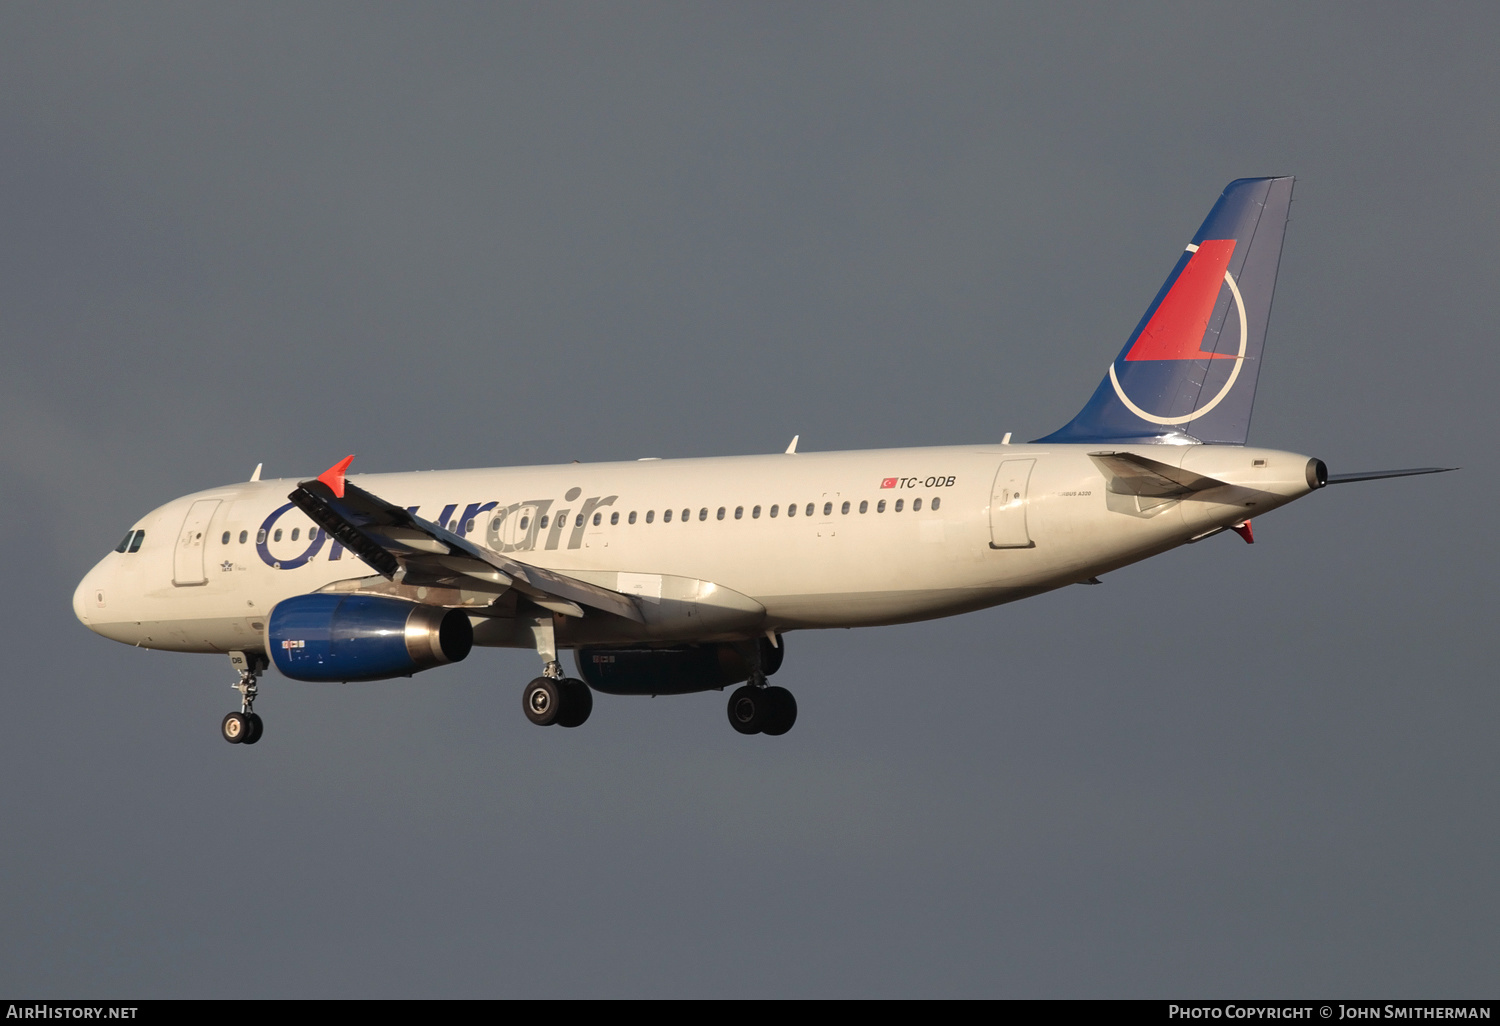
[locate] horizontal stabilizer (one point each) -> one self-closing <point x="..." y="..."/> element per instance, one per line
<point x="1376" y="475"/>
<point x="1130" y="474"/>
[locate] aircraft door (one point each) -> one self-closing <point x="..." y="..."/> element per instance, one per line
<point x="187" y="558"/>
<point x="1008" y="505"/>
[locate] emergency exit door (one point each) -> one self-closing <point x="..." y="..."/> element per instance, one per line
<point x="1008" y="505"/>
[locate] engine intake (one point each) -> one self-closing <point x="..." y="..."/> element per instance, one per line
<point x="363" y="637"/>
<point x="678" y="670"/>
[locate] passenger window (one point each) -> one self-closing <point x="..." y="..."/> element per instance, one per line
<point x="650" y="515"/>
<point x="525" y="523"/>
<point x="125" y="541"/>
<point x="899" y="504"/>
<point x="703" y="513"/>
<point x="720" y="515"/>
<point x="828" y="509"/>
<point x="687" y="515"/>
<point x="739" y="512"/>
<point x="543" y="524"/>
<point x="774" y="509"/>
<point x="845" y="508"/>
<point x="468" y="527"/>
<point x="224" y="540"/>
<point x="135" y="545"/>
<point x="614" y="518"/>
<point x="260" y="536"/>
<point x="864" y="505"/>
<point x="277" y="535"/>
<point x="632" y="516"/>
<point x="243" y="536"/>
<point x="598" y="517"/>
<point x="880" y="506"/>
<point x="295" y="532"/>
<point x="916" y="506"/>
<point x="578" y="520"/>
<point x="809" y="509"/>
<point x="755" y="513"/>
<point x="791" y="509"/>
<point x="666" y="516"/>
<point x="937" y="501"/>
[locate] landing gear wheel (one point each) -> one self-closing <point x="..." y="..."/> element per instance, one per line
<point x="256" y="729"/>
<point x="235" y="727"/>
<point x="781" y="711"/>
<point x="578" y="702"/>
<point x="542" y="701"/>
<point x="747" y="709"/>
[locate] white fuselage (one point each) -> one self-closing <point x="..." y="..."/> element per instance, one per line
<point x="701" y="575"/>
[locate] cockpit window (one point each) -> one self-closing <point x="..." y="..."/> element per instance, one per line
<point x="125" y="541"/>
<point x="135" y="543"/>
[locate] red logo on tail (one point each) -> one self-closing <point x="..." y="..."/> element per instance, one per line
<point x="1175" y="331"/>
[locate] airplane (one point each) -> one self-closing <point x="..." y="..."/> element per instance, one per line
<point x="670" y="576"/>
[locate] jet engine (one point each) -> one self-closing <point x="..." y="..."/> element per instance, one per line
<point x="363" y="637"/>
<point x="677" y="670"/>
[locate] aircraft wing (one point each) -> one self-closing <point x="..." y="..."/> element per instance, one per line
<point x="401" y="545"/>
<point x="1130" y="474"/>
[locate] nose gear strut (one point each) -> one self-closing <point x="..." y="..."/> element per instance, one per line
<point x="244" y="727"/>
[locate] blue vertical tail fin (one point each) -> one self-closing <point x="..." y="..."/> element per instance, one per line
<point x="1188" y="371"/>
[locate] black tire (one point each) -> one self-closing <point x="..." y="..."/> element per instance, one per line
<point x="542" y="700"/>
<point x="256" y="729"/>
<point x="234" y="727"/>
<point x="578" y="702"/>
<point x="747" y="709"/>
<point x="781" y="711"/>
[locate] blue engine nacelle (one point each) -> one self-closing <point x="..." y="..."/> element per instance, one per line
<point x="363" y="637"/>
<point x="672" y="671"/>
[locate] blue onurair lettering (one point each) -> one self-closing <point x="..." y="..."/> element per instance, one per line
<point x="264" y="551"/>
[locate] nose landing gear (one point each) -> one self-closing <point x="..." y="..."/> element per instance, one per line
<point x="244" y="727"/>
<point x="241" y="728"/>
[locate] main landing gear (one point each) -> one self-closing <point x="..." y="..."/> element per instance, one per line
<point x="762" y="710"/>
<point x="244" y="727"/>
<point x="553" y="698"/>
<point x="565" y="701"/>
<point x="758" y="707"/>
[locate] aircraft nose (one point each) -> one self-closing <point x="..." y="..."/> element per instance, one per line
<point x="86" y="596"/>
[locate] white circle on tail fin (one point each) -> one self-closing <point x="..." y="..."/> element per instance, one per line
<point x="1239" y="361"/>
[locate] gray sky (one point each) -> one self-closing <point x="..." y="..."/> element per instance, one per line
<point x="450" y="236"/>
